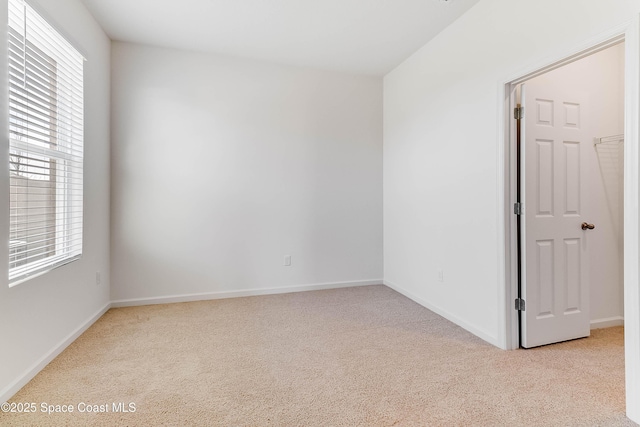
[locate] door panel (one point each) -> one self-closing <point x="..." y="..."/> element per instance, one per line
<point x="555" y="284"/>
<point x="544" y="171"/>
<point x="572" y="178"/>
<point x="545" y="278"/>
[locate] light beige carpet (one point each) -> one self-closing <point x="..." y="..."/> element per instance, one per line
<point x="350" y="357"/>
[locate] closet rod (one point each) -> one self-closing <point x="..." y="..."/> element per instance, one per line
<point x="612" y="138"/>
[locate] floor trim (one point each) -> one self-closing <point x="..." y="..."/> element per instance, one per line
<point x="244" y="293"/>
<point x="608" y="322"/>
<point x="451" y="317"/>
<point x="28" y="375"/>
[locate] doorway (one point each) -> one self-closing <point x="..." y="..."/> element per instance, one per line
<point x="571" y="140"/>
<point x="508" y="317"/>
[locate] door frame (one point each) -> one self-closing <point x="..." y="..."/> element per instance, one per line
<point x="507" y="234"/>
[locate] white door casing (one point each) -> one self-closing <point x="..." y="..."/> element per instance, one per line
<point x="555" y="283"/>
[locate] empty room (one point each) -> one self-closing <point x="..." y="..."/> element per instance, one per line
<point x="286" y="213"/>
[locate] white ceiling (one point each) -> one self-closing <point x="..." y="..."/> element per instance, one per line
<point x="357" y="36"/>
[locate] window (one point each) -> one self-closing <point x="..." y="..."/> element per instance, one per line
<point x="45" y="146"/>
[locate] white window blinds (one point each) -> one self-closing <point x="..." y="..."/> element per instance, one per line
<point x="45" y="146"/>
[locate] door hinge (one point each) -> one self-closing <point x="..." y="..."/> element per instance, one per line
<point x="517" y="208"/>
<point x="520" y="304"/>
<point x="518" y="113"/>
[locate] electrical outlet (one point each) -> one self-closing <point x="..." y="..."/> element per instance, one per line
<point x="98" y="278"/>
<point x="440" y="275"/>
<point x="287" y="260"/>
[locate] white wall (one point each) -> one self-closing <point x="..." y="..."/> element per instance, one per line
<point x="442" y="198"/>
<point x="221" y="167"/>
<point x="39" y="315"/>
<point x="601" y="76"/>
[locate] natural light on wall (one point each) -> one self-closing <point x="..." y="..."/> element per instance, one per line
<point x="45" y="146"/>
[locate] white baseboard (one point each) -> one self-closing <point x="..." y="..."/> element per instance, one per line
<point x="13" y="388"/>
<point x="608" y="322"/>
<point x="455" y="319"/>
<point x="28" y="375"/>
<point x="22" y="380"/>
<point x="244" y="293"/>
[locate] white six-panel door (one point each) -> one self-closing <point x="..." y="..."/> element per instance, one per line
<point x="555" y="284"/>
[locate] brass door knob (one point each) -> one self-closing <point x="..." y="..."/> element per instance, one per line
<point x="587" y="226"/>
